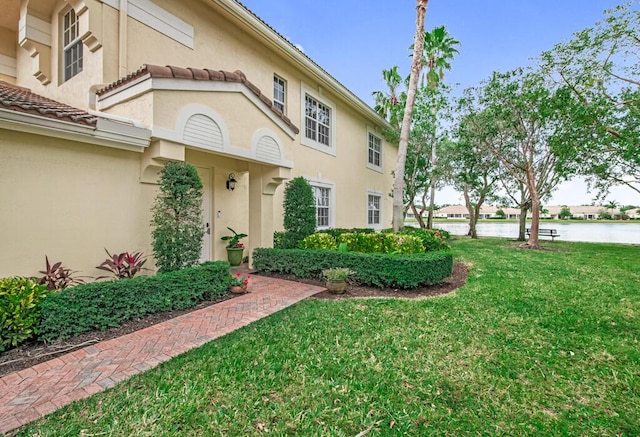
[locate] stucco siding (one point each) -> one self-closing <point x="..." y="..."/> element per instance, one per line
<point x="68" y="201"/>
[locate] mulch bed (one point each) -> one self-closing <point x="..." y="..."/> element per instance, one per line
<point x="30" y="354"/>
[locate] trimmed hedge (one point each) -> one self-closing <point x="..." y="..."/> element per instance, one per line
<point x="102" y="305"/>
<point x="381" y="270"/>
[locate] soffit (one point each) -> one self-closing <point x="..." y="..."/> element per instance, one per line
<point x="10" y="14"/>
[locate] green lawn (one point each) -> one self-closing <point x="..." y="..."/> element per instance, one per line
<point x="537" y="343"/>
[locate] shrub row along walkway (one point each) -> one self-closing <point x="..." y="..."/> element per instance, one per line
<point x="41" y="389"/>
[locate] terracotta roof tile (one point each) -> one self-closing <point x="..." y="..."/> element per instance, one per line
<point x="173" y="72"/>
<point x="20" y="99"/>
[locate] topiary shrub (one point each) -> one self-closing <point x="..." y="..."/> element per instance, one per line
<point x="19" y="309"/>
<point x="299" y="212"/>
<point x="101" y="305"/>
<point x="177" y="218"/>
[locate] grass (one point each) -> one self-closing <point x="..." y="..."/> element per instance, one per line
<point x="537" y="343"/>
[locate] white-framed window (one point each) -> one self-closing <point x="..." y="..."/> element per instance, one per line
<point x="319" y="122"/>
<point x="323" y="206"/>
<point x="71" y="45"/>
<point x="279" y="93"/>
<point x="374" y="209"/>
<point x="374" y="151"/>
<point x="324" y="194"/>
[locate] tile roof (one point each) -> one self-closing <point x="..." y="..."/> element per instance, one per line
<point x="173" y="72"/>
<point x="15" y="98"/>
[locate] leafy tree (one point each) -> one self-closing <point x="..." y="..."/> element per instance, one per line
<point x="600" y="68"/>
<point x="471" y="167"/>
<point x="177" y="218"/>
<point x="501" y="214"/>
<point x="525" y="116"/>
<point x="299" y="212"/>
<point x="565" y="213"/>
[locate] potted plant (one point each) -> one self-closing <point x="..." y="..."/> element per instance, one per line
<point x="337" y="279"/>
<point x="234" y="247"/>
<point x="238" y="284"/>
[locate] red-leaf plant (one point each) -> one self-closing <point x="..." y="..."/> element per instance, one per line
<point x="57" y="277"/>
<point x="123" y="265"/>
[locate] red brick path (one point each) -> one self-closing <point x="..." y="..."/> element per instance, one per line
<point x="41" y="389"/>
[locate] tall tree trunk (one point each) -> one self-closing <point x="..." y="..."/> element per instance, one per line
<point x="432" y="196"/>
<point x="418" y="215"/>
<point x="416" y="68"/>
<point x="473" y="218"/>
<point x="524" y="209"/>
<point x="535" y="209"/>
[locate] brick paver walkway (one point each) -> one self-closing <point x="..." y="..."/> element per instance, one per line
<point x="41" y="389"/>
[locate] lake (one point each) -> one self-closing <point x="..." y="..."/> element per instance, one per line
<point x="628" y="233"/>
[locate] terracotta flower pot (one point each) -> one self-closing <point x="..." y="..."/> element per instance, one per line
<point x="237" y="289"/>
<point x="337" y="286"/>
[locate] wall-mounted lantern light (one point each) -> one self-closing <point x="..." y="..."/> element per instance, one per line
<point x="231" y="182"/>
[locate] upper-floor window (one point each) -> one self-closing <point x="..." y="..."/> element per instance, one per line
<point x="279" y="93"/>
<point x="318" y="116"/>
<point x="374" y="151"/>
<point x="71" y="45"/>
<point x="317" y="121"/>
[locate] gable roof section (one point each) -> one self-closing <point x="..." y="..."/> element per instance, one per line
<point x="20" y="99"/>
<point x="173" y="72"/>
<point x="286" y="47"/>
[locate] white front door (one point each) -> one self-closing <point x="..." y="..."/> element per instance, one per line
<point x="205" y="176"/>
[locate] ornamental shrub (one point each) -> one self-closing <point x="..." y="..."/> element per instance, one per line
<point x="319" y="240"/>
<point x="177" y="218"/>
<point x="432" y="239"/>
<point x="19" y="309"/>
<point x="381" y="243"/>
<point x="377" y="269"/>
<point x="299" y="212"/>
<point x="102" y="305"/>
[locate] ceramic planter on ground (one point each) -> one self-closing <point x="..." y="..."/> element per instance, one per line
<point x="337" y="286"/>
<point x="234" y="255"/>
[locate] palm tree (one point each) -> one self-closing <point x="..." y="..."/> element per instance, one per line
<point x="405" y="129"/>
<point x="390" y="105"/>
<point x="438" y="50"/>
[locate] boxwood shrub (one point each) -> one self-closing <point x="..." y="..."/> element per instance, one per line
<point x="377" y="269"/>
<point x="102" y="305"/>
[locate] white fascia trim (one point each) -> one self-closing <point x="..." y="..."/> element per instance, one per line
<point x="287" y="49"/>
<point x="145" y="84"/>
<point x="158" y="19"/>
<point x="7" y="65"/>
<point x="108" y="136"/>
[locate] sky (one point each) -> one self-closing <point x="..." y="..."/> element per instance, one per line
<point x="354" y="40"/>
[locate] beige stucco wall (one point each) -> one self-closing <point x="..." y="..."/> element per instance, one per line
<point x="91" y="218"/>
<point x="68" y="201"/>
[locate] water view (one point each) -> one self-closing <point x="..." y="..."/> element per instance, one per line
<point x="627" y="233"/>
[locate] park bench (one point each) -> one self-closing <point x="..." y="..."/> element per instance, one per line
<point x="553" y="233"/>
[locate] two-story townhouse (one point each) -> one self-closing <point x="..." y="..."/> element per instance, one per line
<point x="97" y="95"/>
